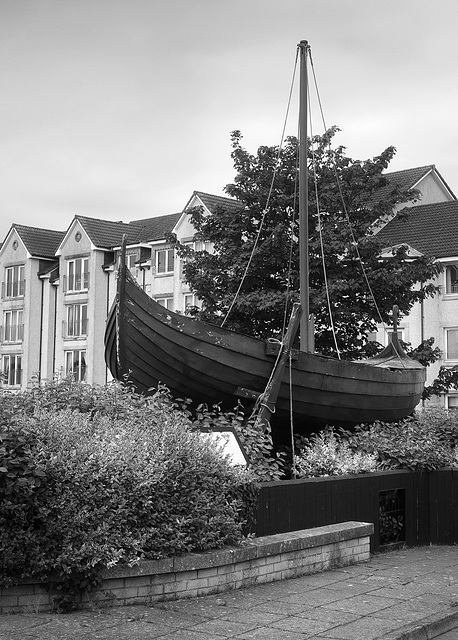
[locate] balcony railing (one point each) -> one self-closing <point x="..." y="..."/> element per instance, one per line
<point x="72" y="330"/>
<point x="76" y="283"/>
<point x="14" y="289"/>
<point x="13" y="333"/>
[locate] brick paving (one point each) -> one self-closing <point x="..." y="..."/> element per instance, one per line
<point x="409" y="594"/>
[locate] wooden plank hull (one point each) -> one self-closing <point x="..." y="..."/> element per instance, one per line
<point x="148" y="344"/>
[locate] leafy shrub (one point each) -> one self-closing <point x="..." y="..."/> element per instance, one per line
<point x="22" y="482"/>
<point x="424" y="441"/>
<point x="114" y="479"/>
<point x="327" y="454"/>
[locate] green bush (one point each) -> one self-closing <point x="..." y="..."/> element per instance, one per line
<point x="327" y="454"/>
<point x="425" y="441"/>
<point x="22" y="484"/>
<point x="124" y="478"/>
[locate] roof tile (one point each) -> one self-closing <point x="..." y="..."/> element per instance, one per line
<point x="106" y="234"/>
<point x="432" y="229"/>
<point x="156" y="228"/>
<point x="40" y="243"/>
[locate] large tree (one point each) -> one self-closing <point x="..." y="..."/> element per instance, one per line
<point x="353" y="197"/>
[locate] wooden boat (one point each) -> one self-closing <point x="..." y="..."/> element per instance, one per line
<point x="148" y="344"/>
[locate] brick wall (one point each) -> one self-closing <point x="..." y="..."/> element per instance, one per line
<point x="261" y="560"/>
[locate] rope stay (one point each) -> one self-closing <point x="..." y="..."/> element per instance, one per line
<point x="269" y="195"/>
<point x="347" y="217"/>
<point x="320" y="233"/>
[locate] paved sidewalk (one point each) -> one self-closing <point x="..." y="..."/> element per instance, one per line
<point x="410" y="595"/>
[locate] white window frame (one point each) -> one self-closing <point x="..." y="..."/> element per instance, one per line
<point x="165" y="261"/>
<point x="13" y="327"/>
<point x="389" y="332"/>
<point x="76" y="364"/>
<point x="78" y="274"/>
<point x="14" y="282"/>
<point x="76" y="325"/>
<point x="454" y="398"/>
<point x="165" y="301"/>
<point x="446" y="343"/>
<point x="12" y="375"/>
<point x="131" y="259"/>
<point x="200" y="245"/>
<point x="450" y="289"/>
<point x="189" y="300"/>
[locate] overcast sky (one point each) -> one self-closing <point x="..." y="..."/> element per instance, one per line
<point x="120" y="109"/>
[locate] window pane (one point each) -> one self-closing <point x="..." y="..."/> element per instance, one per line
<point x="83" y="319"/>
<point x="170" y="254"/>
<point x="452" y="344"/>
<point x="20" y="326"/>
<point x="451" y="275"/>
<point x="77" y="274"/>
<point x="7" y="326"/>
<point x="9" y="281"/>
<point x="6" y="369"/>
<point x="86" y="273"/>
<point x="82" y="372"/>
<point x="18" y="370"/>
<point x="16" y="281"/>
<point x="71" y="276"/>
<point x="161" y="261"/>
<point x="68" y="363"/>
<point x="70" y="327"/>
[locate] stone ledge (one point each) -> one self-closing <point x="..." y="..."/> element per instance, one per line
<point x="264" y="546"/>
<point x="260" y="560"/>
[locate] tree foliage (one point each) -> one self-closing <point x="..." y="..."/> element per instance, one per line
<point x="271" y="283"/>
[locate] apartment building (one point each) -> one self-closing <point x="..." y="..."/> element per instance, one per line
<point x="58" y="286"/>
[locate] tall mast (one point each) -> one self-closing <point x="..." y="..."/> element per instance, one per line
<point x="306" y="342"/>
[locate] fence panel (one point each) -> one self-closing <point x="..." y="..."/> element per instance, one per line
<point x="405" y="506"/>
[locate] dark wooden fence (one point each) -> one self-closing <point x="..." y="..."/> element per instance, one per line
<point x="411" y="507"/>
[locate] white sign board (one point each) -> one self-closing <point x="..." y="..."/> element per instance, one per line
<point x="227" y="439"/>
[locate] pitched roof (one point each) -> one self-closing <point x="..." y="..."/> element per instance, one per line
<point x="40" y="243"/>
<point x="432" y="229"/>
<point x="213" y="202"/>
<point x="408" y="179"/>
<point x="107" y="234"/>
<point x="156" y="228"/>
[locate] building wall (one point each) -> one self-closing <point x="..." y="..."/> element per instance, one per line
<point x="32" y="303"/>
<point x="433" y="190"/>
<point x="48" y="343"/>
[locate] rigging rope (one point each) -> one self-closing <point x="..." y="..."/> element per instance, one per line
<point x="269" y="195"/>
<point x="345" y="210"/>
<point x="320" y="233"/>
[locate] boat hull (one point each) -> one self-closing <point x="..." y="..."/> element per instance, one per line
<point x="149" y="345"/>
